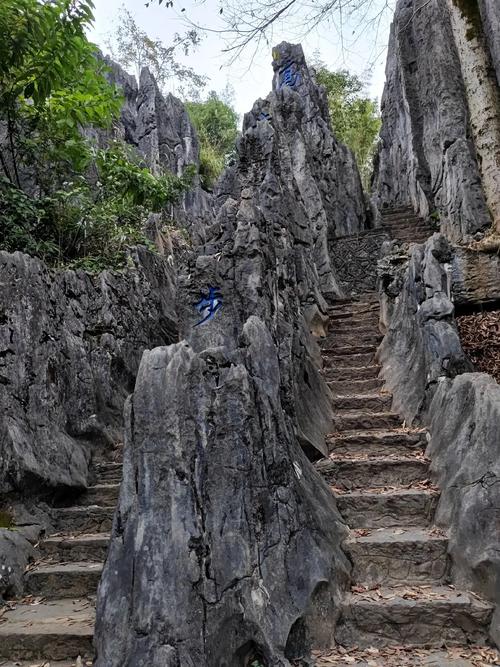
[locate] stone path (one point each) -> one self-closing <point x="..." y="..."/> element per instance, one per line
<point x="55" y="622"/>
<point x="401" y="596"/>
<point x="401" y="600"/>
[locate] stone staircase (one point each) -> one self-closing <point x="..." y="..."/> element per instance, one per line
<point x="379" y="474"/>
<point x="55" y="622"/>
<point x="403" y="225"/>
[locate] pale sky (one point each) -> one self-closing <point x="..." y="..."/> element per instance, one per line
<point x="249" y="78"/>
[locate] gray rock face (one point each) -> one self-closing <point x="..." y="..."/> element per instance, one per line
<point x="490" y="12"/>
<point x="220" y="510"/>
<point x="475" y="277"/>
<point x="463" y="417"/>
<point x="427" y="157"/>
<point x="160" y="128"/>
<point x="421" y="344"/>
<point x="70" y="346"/>
<point x="15" y="554"/>
<point x="426" y="370"/>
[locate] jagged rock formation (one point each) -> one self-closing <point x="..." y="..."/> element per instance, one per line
<point x="246" y="394"/>
<point x="441" y="126"/>
<point x="159" y="127"/>
<point x="426" y="369"/>
<point x="463" y="420"/>
<point x="70" y="346"/>
<point x="417" y="317"/>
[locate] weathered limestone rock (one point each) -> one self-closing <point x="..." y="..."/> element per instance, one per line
<point x="475" y="277"/>
<point x="427" y="156"/>
<point x="220" y="510"/>
<point x="464" y="417"/>
<point x="70" y="346"/>
<point x="490" y="13"/>
<point x="483" y="96"/>
<point x="421" y="344"/>
<point x="426" y="370"/>
<point x="15" y="554"/>
<point x="160" y="128"/>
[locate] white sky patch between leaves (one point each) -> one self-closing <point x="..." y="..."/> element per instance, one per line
<point x="251" y="75"/>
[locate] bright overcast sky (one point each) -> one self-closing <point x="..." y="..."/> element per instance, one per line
<point x="249" y="78"/>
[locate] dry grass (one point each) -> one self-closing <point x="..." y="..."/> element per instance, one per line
<point x="480" y="336"/>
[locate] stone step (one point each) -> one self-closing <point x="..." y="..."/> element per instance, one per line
<point x="405" y="508"/>
<point x="67" y="548"/>
<point x="358" y="421"/>
<point x="64" y="580"/>
<point x="348" y="322"/>
<point x="350" y="473"/>
<point x="341" y="373"/>
<point x="376" y="402"/>
<point x="345" y="348"/>
<point x="91" y="519"/>
<point x="395" y="556"/>
<point x="108" y="472"/>
<point x="432" y="617"/>
<point x="405" y="222"/>
<point x="361" y="315"/>
<point x="377" y="443"/>
<point x="400" y="655"/>
<point x="100" y="494"/>
<point x="50" y="630"/>
<point x="348" y="360"/>
<point x="346" y="327"/>
<point x="349" y="338"/>
<point x="353" y="387"/>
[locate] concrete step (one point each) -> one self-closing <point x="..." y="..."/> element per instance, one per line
<point x="51" y="630"/>
<point x="377" y="443"/>
<point x="431" y="617"/>
<point x="396" y="556"/>
<point x="64" y="580"/>
<point x="93" y="547"/>
<point x="350" y="473"/>
<point x="404" y="508"/>
<point x="91" y="519"/>
<point x="353" y="387"/>
<point x="340" y="373"/>
<point x="348" y="360"/>
<point x="100" y="494"/>
<point x="361" y="402"/>
<point x="361" y="420"/>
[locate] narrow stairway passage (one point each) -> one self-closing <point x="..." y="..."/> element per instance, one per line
<point x="55" y="621"/>
<point x="402" y="608"/>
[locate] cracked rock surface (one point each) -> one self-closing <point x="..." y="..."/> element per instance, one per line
<point x="464" y="417"/>
<point x="220" y="508"/>
<point x="427" y="156"/>
<point x="70" y="346"/>
<point x="427" y="370"/>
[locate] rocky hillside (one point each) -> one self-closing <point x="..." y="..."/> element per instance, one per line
<point x="440" y="137"/>
<point x="309" y="467"/>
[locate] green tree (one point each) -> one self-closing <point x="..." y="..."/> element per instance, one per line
<point x="132" y="48"/>
<point x="216" y="124"/>
<point x="60" y="198"/>
<point x="355" y="118"/>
